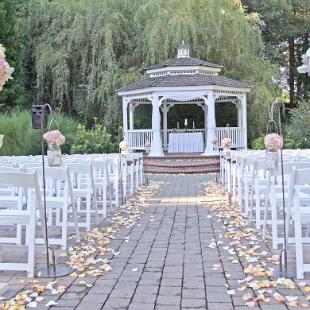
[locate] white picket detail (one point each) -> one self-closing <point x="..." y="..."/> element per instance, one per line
<point x="137" y="138"/>
<point x="236" y="134"/>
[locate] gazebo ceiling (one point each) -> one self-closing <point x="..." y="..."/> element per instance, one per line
<point x="179" y="80"/>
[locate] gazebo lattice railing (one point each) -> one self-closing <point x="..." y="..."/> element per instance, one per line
<point x="138" y="138"/>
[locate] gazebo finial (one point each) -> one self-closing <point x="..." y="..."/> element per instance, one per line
<point x="183" y="50"/>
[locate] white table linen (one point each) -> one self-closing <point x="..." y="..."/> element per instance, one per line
<point x="185" y="142"/>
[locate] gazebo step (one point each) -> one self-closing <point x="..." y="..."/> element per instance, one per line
<point x="182" y="170"/>
<point x="182" y="164"/>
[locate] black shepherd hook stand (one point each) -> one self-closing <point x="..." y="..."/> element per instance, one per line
<point x="283" y="253"/>
<point x="39" y="121"/>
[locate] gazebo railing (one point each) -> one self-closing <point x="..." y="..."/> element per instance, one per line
<point x="138" y="138"/>
<point x="236" y="134"/>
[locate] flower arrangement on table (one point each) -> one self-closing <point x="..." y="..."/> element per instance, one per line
<point x="123" y="146"/>
<point x="54" y="140"/>
<point x="273" y="144"/>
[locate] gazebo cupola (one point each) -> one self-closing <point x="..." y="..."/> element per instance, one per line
<point x="183" y="80"/>
<point x="183" y="51"/>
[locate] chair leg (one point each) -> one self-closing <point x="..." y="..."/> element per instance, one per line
<point x="298" y="240"/>
<point x="257" y="209"/>
<point x="274" y="222"/>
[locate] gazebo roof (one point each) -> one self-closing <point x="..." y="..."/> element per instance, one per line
<point x="184" y="62"/>
<point x="183" y="71"/>
<point x="179" y="80"/>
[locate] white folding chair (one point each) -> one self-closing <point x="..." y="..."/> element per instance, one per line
<point x="300" y="214"/>
<point x="59" y="198"/>
<point x="102" y="185"/>
<point x="84" y="188"/>
<point x="25" y="217"/>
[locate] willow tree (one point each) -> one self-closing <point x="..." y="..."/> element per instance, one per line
<point x="86" y="49"/>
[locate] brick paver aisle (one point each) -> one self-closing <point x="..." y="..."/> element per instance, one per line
<point x="166" y="263"/>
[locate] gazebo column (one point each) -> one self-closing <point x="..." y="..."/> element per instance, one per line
<point x="244" y="120"/>
<point x="205" y="110"/>
<point x="165" y="110"/>
<point x="131" y="115"/>
<point x="210" y="102"/>
<point x="156" y="148"/>
<point x="125" y="114"/>
<point x="239" y="112"/>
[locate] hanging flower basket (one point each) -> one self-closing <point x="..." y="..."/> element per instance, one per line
<point x="1" y="140"/>
<point x="273" y="143"/>
<point x="5" y="69"/>
<point x="54" y="139"/>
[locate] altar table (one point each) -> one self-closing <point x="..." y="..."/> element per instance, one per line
<point x="186" y="142"/>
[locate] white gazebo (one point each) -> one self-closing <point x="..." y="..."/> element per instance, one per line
<point x="184" y="80"/>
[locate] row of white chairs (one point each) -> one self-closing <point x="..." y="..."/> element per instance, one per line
<point x="258" y="191"/>
<point x="77" y="193"/>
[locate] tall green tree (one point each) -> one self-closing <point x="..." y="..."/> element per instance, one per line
<point x="84" y="50"/>
<point x="286" y="34"/>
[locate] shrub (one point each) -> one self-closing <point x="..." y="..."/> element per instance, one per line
<point x="21" y="139"/>
<point x="289" y="143"/>
<point x="96" y="140"/>
<point x="299" y="128"/>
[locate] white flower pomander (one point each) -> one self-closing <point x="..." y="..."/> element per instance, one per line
<point x="2" y="51"/>
<point x="305" y="67"/>
<point x="123" y="145"/>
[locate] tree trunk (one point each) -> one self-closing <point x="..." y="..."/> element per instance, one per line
<point x="291" y="77"/>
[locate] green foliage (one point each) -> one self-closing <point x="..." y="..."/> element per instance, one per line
<point x="84" y="50"/>
<point x="21" y="139"/>
<point x="258" y="143"/>
<point x="299" y="127"/>
<point x="96" y="140"/>
<point x="289" y="142"/>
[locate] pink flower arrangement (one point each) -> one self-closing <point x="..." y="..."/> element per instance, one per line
<point x="54" y="137"/>
<point x="5" y="69"/>
<point x="273" y="142"/>
<point x="226" y="142"/>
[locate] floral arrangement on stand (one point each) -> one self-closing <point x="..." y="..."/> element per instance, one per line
<point x="213" y="142"/>
<point x="226" y="145"/>
<point x="273" y="144"/>
<point x="54" y="140"/>
<point x="123" y="146"/>
<point x="147" y="147"/>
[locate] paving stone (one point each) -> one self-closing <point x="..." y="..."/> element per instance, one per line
<point x="170" y="291"/>
<point x="193" y="293"/>
<point x="116" y="303"/>
<point x="169" y="300"/>
<point x="143" y="306"/>
<point x="144" y="298"/>
<point x="193" y="303"/>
